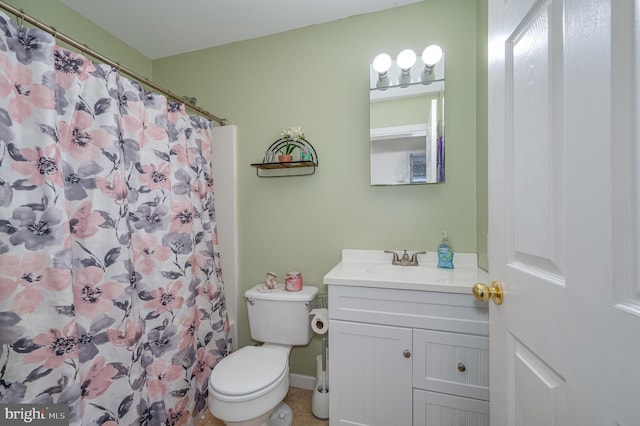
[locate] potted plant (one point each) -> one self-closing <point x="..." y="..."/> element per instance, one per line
<point x="289" y="136"/>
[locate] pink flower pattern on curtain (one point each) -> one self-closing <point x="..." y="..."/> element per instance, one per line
<point x="111" y="293"/>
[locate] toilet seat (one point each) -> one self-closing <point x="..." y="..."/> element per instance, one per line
<point x="249" y="373"/>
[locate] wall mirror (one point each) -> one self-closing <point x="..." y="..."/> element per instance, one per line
<point x="406" y="107"/>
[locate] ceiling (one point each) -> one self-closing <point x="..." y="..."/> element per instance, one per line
<point x="160" y="28"/>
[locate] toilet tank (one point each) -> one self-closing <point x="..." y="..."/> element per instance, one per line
<point x="280" y="316"/>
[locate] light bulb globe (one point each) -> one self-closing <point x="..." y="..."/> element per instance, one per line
<point x="431" y="55"/>
<point x="382" y="63"/>
<point x="406" y="59"/>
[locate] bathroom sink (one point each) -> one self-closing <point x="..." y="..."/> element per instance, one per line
<point x="373" y="268"/>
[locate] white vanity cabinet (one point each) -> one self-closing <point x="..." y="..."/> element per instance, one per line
<point x="407" y="357"/>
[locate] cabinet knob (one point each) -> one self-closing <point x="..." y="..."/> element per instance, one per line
<point x="407" y="353"/>
<point x="461" y="367"/>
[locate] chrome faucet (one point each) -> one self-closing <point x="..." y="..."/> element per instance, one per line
<point x="405" y="260"/>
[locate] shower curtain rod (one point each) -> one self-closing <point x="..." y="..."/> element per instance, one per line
<point x="20" y="13"/>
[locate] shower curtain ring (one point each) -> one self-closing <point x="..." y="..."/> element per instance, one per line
<point x="21" y="19"/>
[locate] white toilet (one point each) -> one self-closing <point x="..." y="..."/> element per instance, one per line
<point x="247" y="387"/>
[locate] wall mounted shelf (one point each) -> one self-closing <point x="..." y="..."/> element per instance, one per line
<point x="271" y="168"/>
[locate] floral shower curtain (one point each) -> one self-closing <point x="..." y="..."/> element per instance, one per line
<point x="111" y="294"/>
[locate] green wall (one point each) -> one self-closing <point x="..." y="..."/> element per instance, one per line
<point x="317" y="78"/>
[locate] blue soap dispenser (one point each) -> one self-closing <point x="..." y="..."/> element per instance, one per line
<point x="445" y="253"/>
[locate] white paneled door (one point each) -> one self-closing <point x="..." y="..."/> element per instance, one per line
<point x="564" y="197"/>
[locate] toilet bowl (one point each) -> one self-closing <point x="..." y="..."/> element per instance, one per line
<point x="247" y="387"/>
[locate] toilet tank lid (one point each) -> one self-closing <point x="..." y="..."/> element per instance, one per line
<point x="260" y="292"/>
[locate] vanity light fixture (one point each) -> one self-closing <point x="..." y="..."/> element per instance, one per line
<point x="381" y="65"/>
<point x="399" y="72"/>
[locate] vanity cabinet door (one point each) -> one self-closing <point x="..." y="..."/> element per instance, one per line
<point x="439" y="409"/>
<point x="370" y="374"/>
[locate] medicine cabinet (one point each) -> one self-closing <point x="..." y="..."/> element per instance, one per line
<point x="407" y="125"/>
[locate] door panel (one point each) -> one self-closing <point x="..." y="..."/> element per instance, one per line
<point x="535" y="141"/>
<point x="564" y="206"/>
<point x="538" y="392"/>
<point x="626" y="156"/>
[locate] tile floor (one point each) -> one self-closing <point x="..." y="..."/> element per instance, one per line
<point x="300" y="402"/>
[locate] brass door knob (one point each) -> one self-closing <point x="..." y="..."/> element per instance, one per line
<point x="483" y="292"/>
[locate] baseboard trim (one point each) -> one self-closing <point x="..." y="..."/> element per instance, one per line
<point x="301" y="381"/>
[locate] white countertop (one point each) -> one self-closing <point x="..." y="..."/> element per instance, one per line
<point x="373" y="268"/>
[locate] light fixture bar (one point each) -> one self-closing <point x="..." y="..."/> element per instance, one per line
<point x="404" y="72"/>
